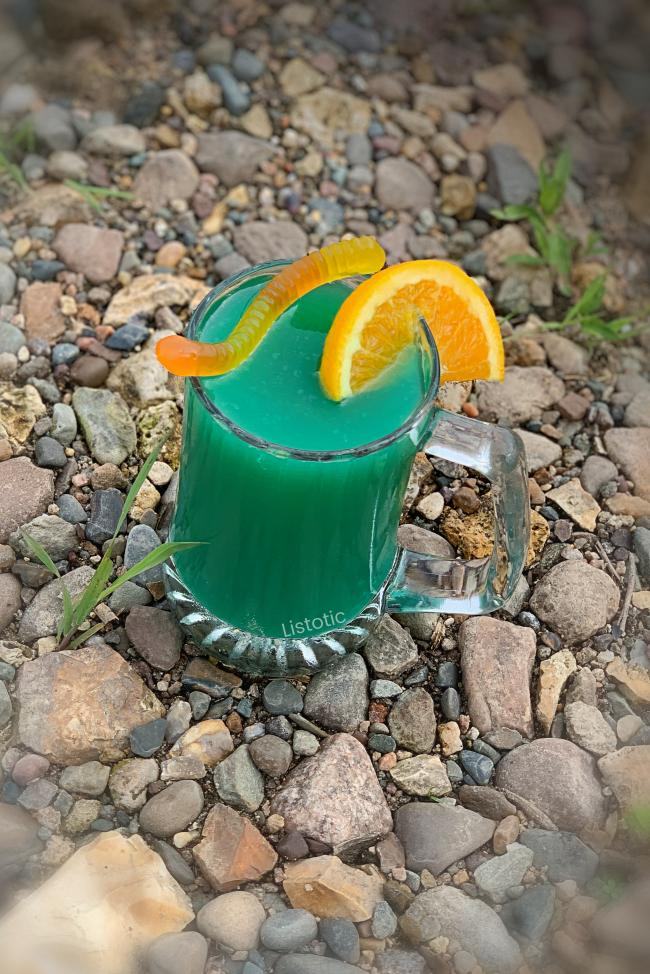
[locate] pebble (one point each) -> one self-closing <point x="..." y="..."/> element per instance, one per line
<point x="450" y="703"/>
<point x="64" y="423"/>
<point x="141" y="541"/>
<point x="342" y="938"/>
<point x="49" y="453"/>
<point x="337" y="697"/>
<point x="384" y="921"/>
<point x="304" y="743"/>
<point x="384" y="689"/>
<point x="148" y="738"/>
<point x="172" y="810"/>
<point x="271" y="755"/>
<point x="238" y="781"/>
<point x="172" y="952"/>
<point x="105" y="511"/>
<point x="89" y="779"/>
<point x="280" y="698"/>
<point x="478" y="766"/>
<point x="246" y="66"/>
<point x="233" y="920"/>
<point x="288" y="931"/>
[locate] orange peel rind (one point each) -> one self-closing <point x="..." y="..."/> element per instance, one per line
<point x="181" y="356"/>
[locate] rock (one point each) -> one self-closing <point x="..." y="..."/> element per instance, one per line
<point x="288" y="931"/>
<point x="630" y="449"/>
<point x="503" y="80"/>
<point x="622" y="927"/>
<point x="500" y="247"/>
<point x="172" y="810"/>
<point x="523" y="395"/>
<point x="566" y="356"/>
<point x="149" y="292"/>
<point x="390" y="650"/>
<point x="9" y="605"/>
<point x="458" y="196"/>
<point x="337" y="697"/>
<point x="327" y="888"/>
<point x="497" y="661"/>
<point x="627" y="773"/>
<point x="49" y="453"/>
<point x="232" y="920"/>
<point x="575" y="600"/>
<point x="238" y="782"/>
<point x="232" y="156"/>
<point x="586" y="727"/>
<point x="52" y="126"/>
<point x="478" y="766"/>
<point x="402" y="185"/>
<point x="530" y="914"/>
<point x="562" y="854"/>
<point x="64" y="423"/>
<point x="435" y="835"/>
<point x="638" y="411"/>
<point x="412" y="721"/>
<point x="298" y="77"/>
<point x="448" y="912"/>
<point x="106" y="424"/>
<point x="431" y="506"/>
<point x="633" y="681"/>
<point x="148" y="738"/>
<point x="200" y="94"/>
<point x="506" y="832"/>
<point x="166" y="176"/>
<point x="141" y="540"/>
<point x="540" y="451"/>
<point x="80" y="705"/>
<point x="496" y="876"/>
<point x="516" y="128"/>
<point x="89" y="779"/>
<point x="342" y="938"/>
<point x="20" y="408"/>
<point x="553" y="675"/>
<point x="312" y="964"/>
<point x="41" y="307"/>
<point x="129" y="780"/>
<point x="556" y="778"/>
<point x="577" y="503"/>
<point x="335" y="797"/>
<point x="423" y="775"/>
<point x="53" y="206"/>
<point x="25" y="492"/>
<point x="156" y="636"/>
<point x="18" y="838"/>
<point x="91" y="251"/>
<point x="113" y="141"/>
<point x="52" y="532"/>
<point x="99" y="910"/>
<point x="88" y="370"/>
<point x="41" y="616"/>
<point x="510" y="177"/>
<point x="7" y="284"/>
<point x="271" y="755"/>
<point x="256" y="122"/>
<point x="597" y="470"/>
<point x="280" y="697"/>
<point x="231" y="850"/>
<point x="209" y="741"/>
<point x="174" y="951"/>
<point x="323" y="113"/>
<point x="260" y="241"/>
<point x="246" y="66"/>
<point x="141" y="379"/>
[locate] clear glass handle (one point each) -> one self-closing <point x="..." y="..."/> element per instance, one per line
<point x="425" y="584"/>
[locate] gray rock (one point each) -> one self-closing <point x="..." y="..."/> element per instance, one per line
<point x="354" y="37"/>
<point x="148" y="738"/>
<point x="172" y="810"/>
<point x="260" y="241"/>
<point x="232" y="156"/>
<point x="288" y="931"/>
<point x="358" y="149"/>
<point x="311" y="964"/>
<point x="597" y="470"/>
<point x="156" y="636"/>
<point x="238" y="782"/>
<point x="18" y="839"/>
<point x="41" y="616"/>
<point x="562" y="854"/>
<point x="89" y="779"/>
<point x="174" y="952"/>
<point x="235" y="98"/>
<point x="450" y="703"/>
<point x="106" y="424"/>
<point x="105" y="510"/>
<point x="53" y="127"/>
<point x="390" y="650"/>
<point x="114" y="141"/>
<point x="141" y="541"/>
<point x="384" y="689"/>
<point x="10" y="601"/>
<point x="448" y="912"/>
<point x="642" y="550"/>
<point x="179" y="717"/>
<point x="7" y="291"/>
<point x="64" y="423"/>
<point x="400" y="962"/>
<point x="530" y="914"/>
<point x="478" y="766"/>
<point x="384" y="921"/>
<point x="127" y="596"/>
<point x="486" y="801"/>
<point x="582" y="688"/>
<point x="246" y="66"/>
<point x="510" y="178"/>
<point x="575" y="600"/>
<point x="556" y="778"/>
<point x="564" y="355"/>
<point x="342" y="938"/>
<point x="271" y="755"/>
<point x="166" y="176"/>
<point x="129" y="781"/>
<point x="337" y="697"/>
<point x="402" y="185"/>
<point x="412" y="721"/>
<point x="436" y="835"/>
<point x="540" y="451"/>
<point x="281" y="697"/>
<point x="48" y="452"/>
<point x="6" y="708"/>
<point x="11" y="338"/>
<point x="586" y="727"/>
<point x="522" y="396"/>
<point x="499" y="874"/>
<point x="175" y="863"/>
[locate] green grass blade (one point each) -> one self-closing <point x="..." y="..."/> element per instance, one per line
<point x="83" y="636"/>
<point x="527" y="260"/>
<point x="91" y="594"/>
<point x="68" y="612"/>
<point x="590" y="300"/>
<point x="515" y="211"/>
<point x="152" y="560"/>
<point x="39" y="552"/>
<point x="137" y="484"/>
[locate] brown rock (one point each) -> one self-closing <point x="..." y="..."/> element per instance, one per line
<point x="40" y="304"/>
<point x="412" y="720"/>
<point x="627" y="773"/>
<point x="574" y="500"/>
<point x="575" y="600"/>
<point x="335" y="797"/>
<point x="486" y="801"/>
<point x="515" y="126"/>
<point x="89" y="371"/>
<point x="633" y="681"/>
<point x="232" y="851"/>
<point x="25" y="492"/>
<point x="327" y="888"/>
<point x="209" y="741"/>
<point x="54" y="205"/>
<point x="165" y="176"/>
<point x="553" y="675"/>
<point x="497" y="661"/>
<point x="506" y="832"/>
<point x="630" y="449"/>
<point x="20" y="408"/>
<point x="321" y="113"/>
<point x="92" y="251"/>
<point x="260" y="241"/>
<point x="458" y="196"/>
<point x="9" y="598"/>
<point x="98" y="912"/>
<point x="503" y="80"/>
<point x="155" y="634"/>
<point x="628" y="505"/>
<point x="80" y="705"/>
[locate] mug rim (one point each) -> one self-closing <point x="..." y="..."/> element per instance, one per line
<point x="279" y="449"/>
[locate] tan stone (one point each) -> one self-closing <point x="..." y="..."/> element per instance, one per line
<point x="41" y="306"/>
<point x="298" y="77"/>
<point x="450" y="739"/>
<point x="149" y="292"/>
<point x="209" y="741"/>
<point x="553" y="675"/>
<point x="629" y="505"/>
<point x="321" y="113"/>
<point x="473" y="534"/>
<point x="256" y="122"/>
<point x="231" y="850"/>
<point x="80" y="705"/>
<point x="641" y="600"/>
<point x="630" y="449"/>
<point x="20" y="407"/>
<point x="97" y="913"/>
<point x="327" y="888"/>
<point x="574" y="500"/>
<point x="54" y="205"/>
<point x="92" y="251"/>
<point x="506" y="832"/>
<point x="633" y="681"/>
<point x="515" y="126"/>
<point x="423" y="775"/>
<point x="627" y="773"/>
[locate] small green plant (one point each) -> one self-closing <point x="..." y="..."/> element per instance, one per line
<point x="637" y="820"/>
<point x="13" y="146"/>
<point x="586" y="314"/>
<point x="95" y="196"/>
<point x="72" y="629"/>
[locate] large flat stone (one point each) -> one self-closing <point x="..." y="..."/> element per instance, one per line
<point x="25" y="492"/>
<point x="434" y="835"/>
<point x="42" y="615"/>
<point x="576" y="600"/>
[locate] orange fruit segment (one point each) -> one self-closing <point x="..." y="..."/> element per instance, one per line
<point x="377" y="321"/>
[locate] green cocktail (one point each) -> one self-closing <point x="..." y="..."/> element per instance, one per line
<point x="292" y="547"/>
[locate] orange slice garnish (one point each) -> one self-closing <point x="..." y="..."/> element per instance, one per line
<point x="378" y="320"/>
<point x="181" y="356"/>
